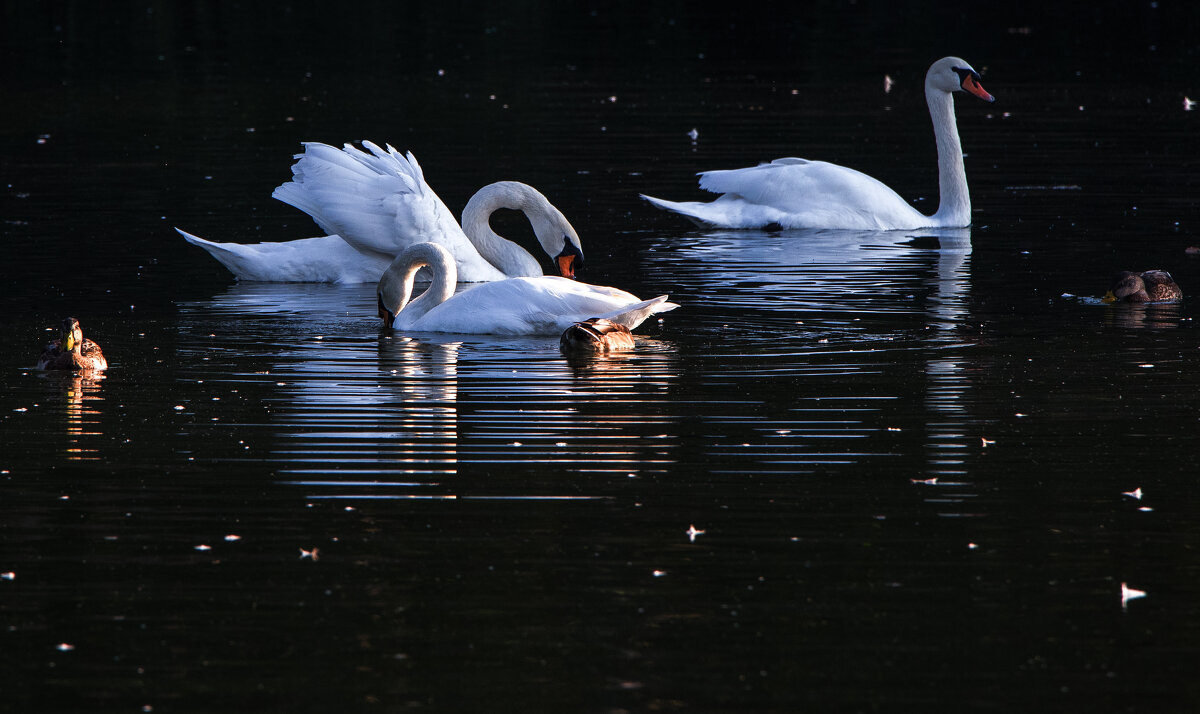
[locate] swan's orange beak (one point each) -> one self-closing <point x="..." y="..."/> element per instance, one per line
<point x="569" y="260"/>
<point x="566" y="266"/>
<point x="971" y="84"/>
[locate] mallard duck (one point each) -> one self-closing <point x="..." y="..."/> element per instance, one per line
<point x="72" y="351"/>
<point x="1148" y="286"/>
<point x="595" y="335"/>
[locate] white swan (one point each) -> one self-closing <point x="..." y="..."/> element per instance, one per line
<point x="797" y="193"/>
<point x="375" y="204"/>
<point x="544" y="305"/>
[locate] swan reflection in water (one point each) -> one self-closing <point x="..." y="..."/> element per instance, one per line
<point x="403" y="413"/>
<point x="827" y="303"/>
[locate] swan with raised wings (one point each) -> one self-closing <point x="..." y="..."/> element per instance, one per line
<point x="544" y="305"/>
<point x="797" y="193"/>
<point x="376" y="204"/>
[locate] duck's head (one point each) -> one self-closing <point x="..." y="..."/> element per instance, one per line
<point x="72" y="335"/>
<point x="951" y="74"/>
<point x="1127" y="286"/>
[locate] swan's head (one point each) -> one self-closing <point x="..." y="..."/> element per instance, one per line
<point x="396" y="284"/>
<point x="72" y="335"/>
<point x="951" y="74"/>
<point x="558" y="239"/>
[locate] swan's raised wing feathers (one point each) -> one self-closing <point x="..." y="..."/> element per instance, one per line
<point x="377" y="202"/>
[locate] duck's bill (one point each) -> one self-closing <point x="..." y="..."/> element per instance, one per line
<point x="1109" y="297"/>
<point x="973" y="86"/>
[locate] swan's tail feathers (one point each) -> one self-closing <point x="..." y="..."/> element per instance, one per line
<point x="633" y="315"/>
<point x="694" y="211"/>
<point x="327" y="259"/>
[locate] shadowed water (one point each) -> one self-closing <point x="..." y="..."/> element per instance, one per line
<point x="852" y="472"/>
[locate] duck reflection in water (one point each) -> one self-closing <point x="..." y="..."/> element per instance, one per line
<point x="80" y="391"/>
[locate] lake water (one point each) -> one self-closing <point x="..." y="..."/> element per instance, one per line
<point x="852" y="472"/>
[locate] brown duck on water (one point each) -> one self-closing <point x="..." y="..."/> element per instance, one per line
<point x="594" y="336"/>
<point x="1148" y="286"/>
<point x="72" y="351"/>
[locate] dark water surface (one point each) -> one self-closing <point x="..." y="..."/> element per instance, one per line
<point x="903" y="459"/>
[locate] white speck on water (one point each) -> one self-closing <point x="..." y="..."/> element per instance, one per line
<point x="1128" y="593"/>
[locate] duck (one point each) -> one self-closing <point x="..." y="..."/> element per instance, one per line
<point x="72" y="351"/>
<point x="543" y="305"/>
<point x="595" y="336"/>
<point x="375" y="203"/>
<point x="1147" y="286"/>
<point x="799" y="193"/>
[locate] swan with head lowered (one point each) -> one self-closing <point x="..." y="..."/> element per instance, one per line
<point x="544" y="305"/>
<point x="374" y="204"/>
<point x="797" y="193"/>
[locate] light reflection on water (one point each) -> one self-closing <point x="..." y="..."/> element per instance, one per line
<point x="827" y="312"/>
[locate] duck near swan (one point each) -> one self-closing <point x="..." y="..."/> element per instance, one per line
<point x="72" y="351"/>
<point x="374" y="204"/>
<point x="544" y="305"/>
<point x="595" y="336"/>
<point x="798" y="193"/>
<point x="1147" y="286"/>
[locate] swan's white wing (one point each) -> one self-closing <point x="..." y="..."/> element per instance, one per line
<point x="532" y="306"/>
<point x="328" y="259"/>
<point x="796" y="193"/>
<point x="378" y="202"/>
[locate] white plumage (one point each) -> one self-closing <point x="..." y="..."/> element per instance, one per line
<point x="374" y="204"/>
<point x="544" y="305"/>
<point x="797" y="193"/>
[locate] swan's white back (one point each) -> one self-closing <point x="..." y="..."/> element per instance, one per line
<point x="544" y="305"/>
<point x="327" y="259"/>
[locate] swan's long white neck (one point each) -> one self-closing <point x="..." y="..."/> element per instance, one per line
<point x="510" y="258"/>
<point x="396" y="284"/>
<point x="954" y="201"/>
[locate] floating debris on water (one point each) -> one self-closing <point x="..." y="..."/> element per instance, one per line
<point x="1128" y="593"/>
